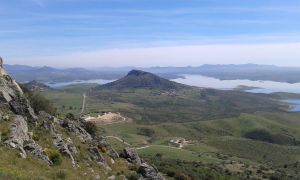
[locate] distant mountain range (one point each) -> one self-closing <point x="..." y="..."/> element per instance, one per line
<point x="24" y="73"/>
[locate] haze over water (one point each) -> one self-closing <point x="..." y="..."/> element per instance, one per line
<point x="266" y="86"/>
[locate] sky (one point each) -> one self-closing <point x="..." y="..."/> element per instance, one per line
<point x="145" y="33"/>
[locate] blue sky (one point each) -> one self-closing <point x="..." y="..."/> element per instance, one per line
<point x="95" y="33"/>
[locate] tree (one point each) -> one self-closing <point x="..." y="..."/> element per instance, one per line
<point x="91" y="128"/>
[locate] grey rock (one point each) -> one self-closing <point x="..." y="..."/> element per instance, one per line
<point x="85" y="174"/>
<point x="18" y="134"/>
<point x="71" y="146"/>
<point x="101" y="142"/>
<point x="38" y="151"/>
<point x="49" y="127"/>
<point x="149" y="172"/>
<point x="54" y="119"/>
<point x="62" y="147"/>
<point x="45" y="115"/>
<point x="97" y="176"/>
<point x="71" y="116"/>
<point x="98" y="157"/>
<point x="112" y="177"/>
<point x="77" y="131"/>
<point x="2" y="71"/>
<point x="122" y="176"/>
<point x="132" y="156"/>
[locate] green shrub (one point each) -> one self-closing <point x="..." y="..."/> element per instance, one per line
<point x="133" y="176"/>
<point x="38" y="102"/>
<point x="181" y="176"/>
<point x="133" y="167"/>
<point x="103" y="149"/>
<point x="171" y="172"/>
<point x="91" y="128"/>
<point x="54" y="156"/>
<point x="61" y="174"/>
<point x="35" y="137"/>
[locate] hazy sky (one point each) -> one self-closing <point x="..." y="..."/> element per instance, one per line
<point x="142" y="33"/>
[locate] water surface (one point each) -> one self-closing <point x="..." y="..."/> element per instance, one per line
<point x="265" y="86"/>
<point x="60" y="84"/>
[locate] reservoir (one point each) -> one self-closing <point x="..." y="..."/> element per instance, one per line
<point x="61" y="84"/>
<point x="263" y="86"/>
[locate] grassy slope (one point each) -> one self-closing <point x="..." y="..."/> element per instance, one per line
<point x="32" y="168"/>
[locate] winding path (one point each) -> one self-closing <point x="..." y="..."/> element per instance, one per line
<point x="149" y="145"/>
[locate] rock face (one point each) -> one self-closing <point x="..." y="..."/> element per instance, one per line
<point x="149" y="172"/>
<point x="38" y="151"/>
<point x="101" y="142"/>
<point x="71" y="116"/>
<point x="132" y="156"/>
<point x="11" y="95"/>
<point x="48" y="116"/>
<point x="2" y="71"/>
<point x="71" y="146"/>
<point x="49" y="127"/>
<point x="18" y="134"/>
<point x="62" y="147"/>
<point x="77" y="131"/>
<point x="99" y="158"/>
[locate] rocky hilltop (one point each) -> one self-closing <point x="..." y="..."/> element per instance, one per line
<point x="137" y="79"/>
<point x="36" y="86"/>
<point x="57" y="147"/>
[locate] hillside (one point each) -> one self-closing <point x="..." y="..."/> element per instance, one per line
<point x="137" y="79"/>
<point x="36" y="86"/>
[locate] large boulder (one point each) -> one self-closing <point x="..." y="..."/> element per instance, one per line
<point x="77" y="131"/>
<point x="101" y="142"/>
<point x="18" y="134"/>
<point x="132" y="156"/>
<point x="149" y="172"/>
<point x="39" y="152"/>
<point x="98" y="157"/>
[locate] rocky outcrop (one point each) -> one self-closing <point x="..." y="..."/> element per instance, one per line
<point x="71" y="116"/>
<point x="2" y="71"/>
<point x="98" y="157"/>
<point x="77" y="131"/>
<point x="43" y="114"/>
<point x="12" y="97"/>
<point x="62" y="147"/>
<point x="131" y="156"/>
<point x="49" y="127"/>
<point x="149" y="172"/>
<point x="18" y="134"/>
<point x="71" y="146"/>
<point x="38" y="151"/>
<point x="101" y="142"/>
